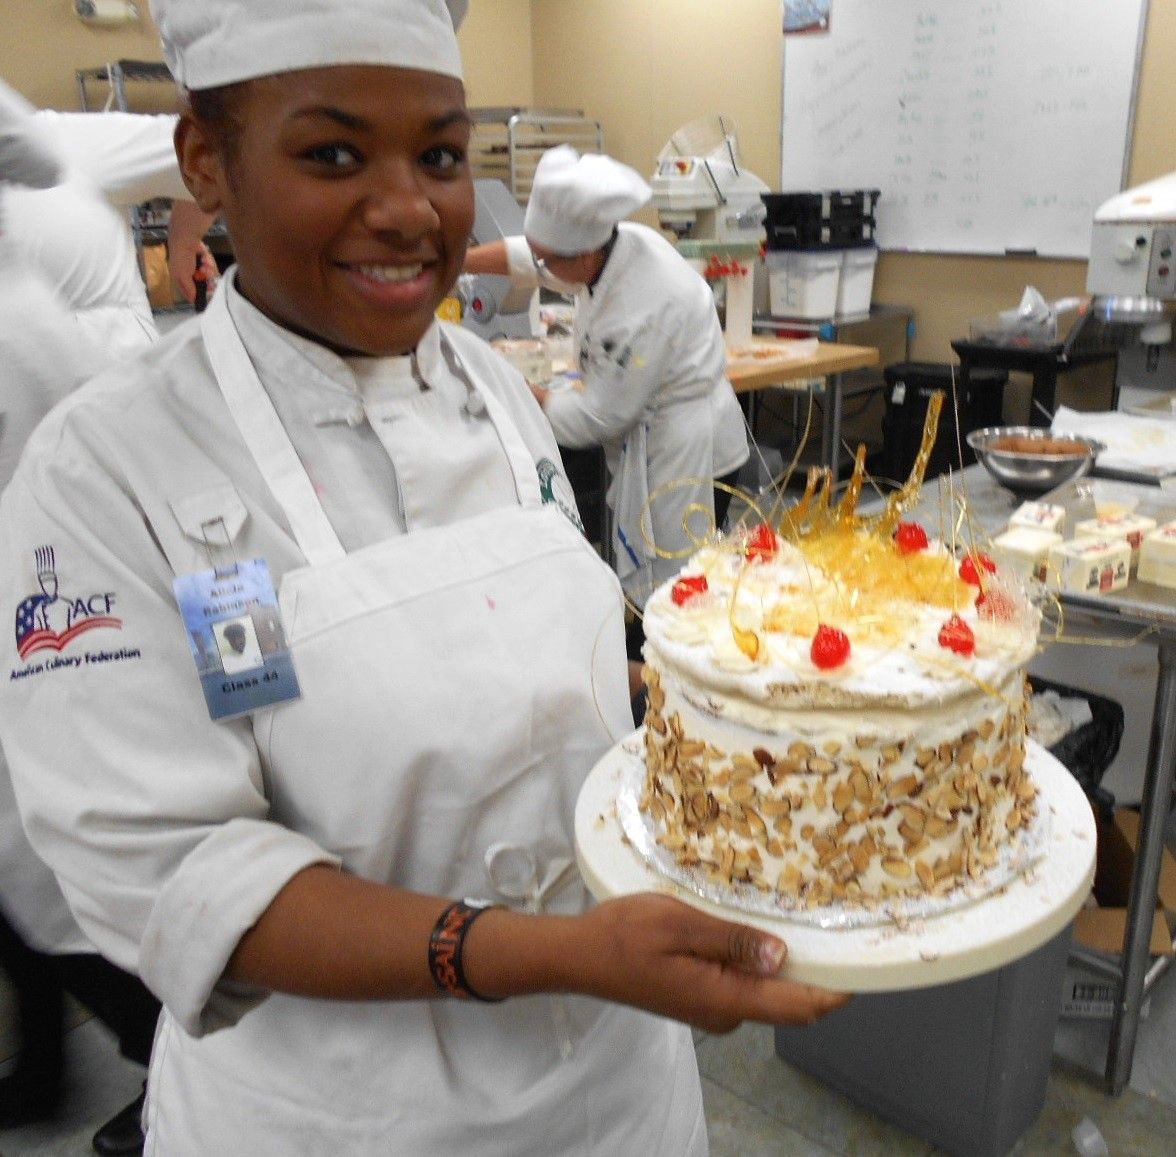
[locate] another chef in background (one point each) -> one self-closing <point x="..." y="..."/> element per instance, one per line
<point x="77" y="233"/>
<point x="651" y="355"/>
<point x="72" y="302"/>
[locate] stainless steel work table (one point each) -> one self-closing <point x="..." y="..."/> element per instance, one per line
<point x="1146" y="612"/>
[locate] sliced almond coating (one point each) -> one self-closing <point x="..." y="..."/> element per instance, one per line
<point x="842" y="798"/>
<point x="901" y="787"/>
<point x="743" y="791"/>
<point x="860" y="856"/>
<point x="778" y="806"/>
<point x="860" y="783"/>
<point x="789" y="880"/>
<point x="914" y="816"/>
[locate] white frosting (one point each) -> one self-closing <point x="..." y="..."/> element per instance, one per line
<point x="907" y="668"/>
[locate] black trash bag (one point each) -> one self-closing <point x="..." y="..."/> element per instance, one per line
<point x="1089" y="750"/>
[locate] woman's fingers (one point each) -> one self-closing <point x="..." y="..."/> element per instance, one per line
<point x="677" y="961"/>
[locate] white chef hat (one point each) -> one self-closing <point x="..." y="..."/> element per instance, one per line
<point x="212" y="42"/>
<point x="577" y="201"/>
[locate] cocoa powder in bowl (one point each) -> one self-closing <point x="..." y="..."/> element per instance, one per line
<point x="1054" y="447"/>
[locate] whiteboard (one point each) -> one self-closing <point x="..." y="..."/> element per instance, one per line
<point x="988" y="125"/>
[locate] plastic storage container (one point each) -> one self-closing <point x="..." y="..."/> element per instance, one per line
<point x="831" y="218"/>
<point x="909" y="389"/>
<point x="964" y="1065"/>
<point x="803" y="283"/>
<point x="856" y="285"/>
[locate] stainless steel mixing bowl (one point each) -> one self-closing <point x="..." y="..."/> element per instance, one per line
<point x="1025" y="470"/>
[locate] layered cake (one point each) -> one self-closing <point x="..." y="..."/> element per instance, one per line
<point x="837" y="710"/>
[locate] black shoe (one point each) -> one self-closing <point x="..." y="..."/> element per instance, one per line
<point x="24" y="1102"/>
<point x="123" y="1133"/>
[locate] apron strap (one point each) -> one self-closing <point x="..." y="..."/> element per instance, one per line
<point x="522" y="463"/>
<point x="264" y="434"/>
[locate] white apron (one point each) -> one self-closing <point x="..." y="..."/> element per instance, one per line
<point x="670" y="447"/>
<point x="457" y="684"/>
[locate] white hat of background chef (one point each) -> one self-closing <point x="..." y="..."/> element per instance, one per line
<point x="212" y="42"/>
<point x="577" y="201"/>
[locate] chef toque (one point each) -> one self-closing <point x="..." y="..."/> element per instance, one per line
<point x="207" y="43"/>
<point x="577" y="201"/>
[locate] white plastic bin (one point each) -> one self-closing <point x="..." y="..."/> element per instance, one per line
<point x="803" y="282"/>
<point x="856" y="287"/>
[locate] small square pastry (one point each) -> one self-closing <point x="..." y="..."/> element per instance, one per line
<point x="1025" y="549"/>
<point x="1126" y="525"/>
<point x="1157" y="556"/>
<point x="1040" y="516"/>
<point x="1091" y="566"/>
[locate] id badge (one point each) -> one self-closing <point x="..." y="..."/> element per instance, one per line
<point x="235" y="632"/>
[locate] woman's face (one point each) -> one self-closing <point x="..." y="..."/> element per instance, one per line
<point x="348" y="198"/>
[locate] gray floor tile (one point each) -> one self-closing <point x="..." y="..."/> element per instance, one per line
<point x="744" y="1063"/>
<point x="736" y="1128"/>
<point x="1131" y="1124"/>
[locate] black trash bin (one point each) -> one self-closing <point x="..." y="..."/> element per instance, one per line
<point x="909" y="389"/>
<point x="1089" y="750"/>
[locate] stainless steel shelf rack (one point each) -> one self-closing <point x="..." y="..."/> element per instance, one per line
<point x="507" y="142"/>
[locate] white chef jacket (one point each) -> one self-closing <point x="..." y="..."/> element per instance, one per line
<point x="78" y="233"/>
<point x="25" y="157"/>
<point x="71" y="302"/>
<point x="158" y="820"/>
<point x="655" y="395"/>
<point x="43" y="355"/>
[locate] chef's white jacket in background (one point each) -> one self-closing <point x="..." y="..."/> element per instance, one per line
<point x="43" y="356"/>
<point x="72" y="302"/>
<point x="78" y="233"/>
<point x="451" y="707"/>
<point x="655" y="395"/>
<point x="25" y="157"/>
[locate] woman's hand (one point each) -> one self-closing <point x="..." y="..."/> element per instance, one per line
<point x="185" y="242"/>
<point x="662" y="955"/>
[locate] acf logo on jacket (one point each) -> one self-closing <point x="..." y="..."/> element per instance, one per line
<point x="53" y="619"/>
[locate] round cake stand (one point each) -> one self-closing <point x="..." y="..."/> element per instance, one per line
<point x="888" y="956"/>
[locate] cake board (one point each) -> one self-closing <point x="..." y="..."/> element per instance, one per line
<point x="880" y="957"/>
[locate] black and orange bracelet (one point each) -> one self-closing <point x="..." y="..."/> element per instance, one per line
<point x="446" y="944"/>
